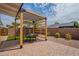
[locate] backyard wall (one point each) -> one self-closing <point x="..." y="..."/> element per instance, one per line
<point x="51" y="31"/>
<point x="3" y="34"/>
<point x="11" y="31"/>
<point x="73" y="31"/>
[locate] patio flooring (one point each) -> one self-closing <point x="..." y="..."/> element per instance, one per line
<point x="52" y="47"/>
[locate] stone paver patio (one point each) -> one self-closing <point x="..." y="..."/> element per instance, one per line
<point x="39" y="48"/>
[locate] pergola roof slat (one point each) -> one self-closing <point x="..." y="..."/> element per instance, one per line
<point x="7" y="12"/>
<point x="9" y="9"/>
<point x="30" y="15"/>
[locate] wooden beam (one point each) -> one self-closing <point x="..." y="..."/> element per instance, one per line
<point x="33" y="27"/>
<point x="40" y="21"/>
<point x="21" y="30"/>
<point x="8" y="7"/>
<point x="46" y="29"/>
<point x="15" y="29"/>
<point x="10" y="13"/>
<point x="35" y="14"/>
<point x="40" y="30"/>
<point x="16" y="16"/>
<point x="15" y="5"/>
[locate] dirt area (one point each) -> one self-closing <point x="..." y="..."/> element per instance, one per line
<point x="38" y="48"/>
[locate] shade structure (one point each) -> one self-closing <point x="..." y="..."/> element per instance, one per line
<point x="30" y="15"/>
<point x="15" y="9"/>
<point x="10" y="9"/>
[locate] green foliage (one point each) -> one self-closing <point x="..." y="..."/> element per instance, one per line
<point x="13" y="25"/>
<point x="57" y="35"/>
<point x="68" y="36"/>
<point x="10" y="38"/>
<point x="57" y="23"/>
<point x="26" y="38"/>
<point x="31" y="38"/>
<point x="76" y="24"/>
<point x="1" y="22"/>
<point x="48" y="34"/>
<point x="10" y="26"/>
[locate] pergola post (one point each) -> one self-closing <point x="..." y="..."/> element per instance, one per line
<point x="33" y="27"/>
<point x="33" y="30"/>
<point x="15" y="29"/>
<point x="40" y="29"/>
<point x="46" y="29"/>
<point x="21" y="29"/>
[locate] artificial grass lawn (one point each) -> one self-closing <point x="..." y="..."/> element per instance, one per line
<point x="10" y="38"/>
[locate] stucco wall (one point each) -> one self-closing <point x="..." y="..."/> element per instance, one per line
<point x="73" y="31"/>
<point x="11" y="31"/>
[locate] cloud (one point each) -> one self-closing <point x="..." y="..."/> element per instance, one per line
<point x="46" y="8"/>
<point x="61" y="12"/>
<point x="67" y="12"/>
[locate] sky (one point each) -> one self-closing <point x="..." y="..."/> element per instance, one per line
<point x="55" y="12"/>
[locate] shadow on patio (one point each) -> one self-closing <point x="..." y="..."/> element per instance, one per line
<point x="14" y="44"/>
<point x="9" y="45"/>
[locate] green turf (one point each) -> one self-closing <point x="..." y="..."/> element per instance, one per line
<point x="10" y="38"/>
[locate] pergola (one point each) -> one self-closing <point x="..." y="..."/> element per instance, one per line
<point x="15" y="9"/>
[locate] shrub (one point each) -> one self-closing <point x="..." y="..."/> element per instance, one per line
<point x="57" y="35"/>
<point x="48" y="34"/>
<point x="68" y="36"/>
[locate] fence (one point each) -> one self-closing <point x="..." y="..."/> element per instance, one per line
<point x="3" y="31"/>
<point x="3" y="34"/>
<point x="73" y="31"/>
<point x="51" y="31"/>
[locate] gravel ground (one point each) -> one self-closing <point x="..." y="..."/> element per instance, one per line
<point x="39" y="48"/>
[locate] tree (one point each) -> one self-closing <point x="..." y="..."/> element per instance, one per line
<point x="15" y="25"/>
<point x="1" y="22"/>
<point x="57" y="23"/>
<point x="9" y="26"/>
<point x="76" y="24"/>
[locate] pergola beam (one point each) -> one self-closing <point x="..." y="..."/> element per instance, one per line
<point x="46" y="29"/>
<point x="33" y="13"/>
<point x="40" y="21"/>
